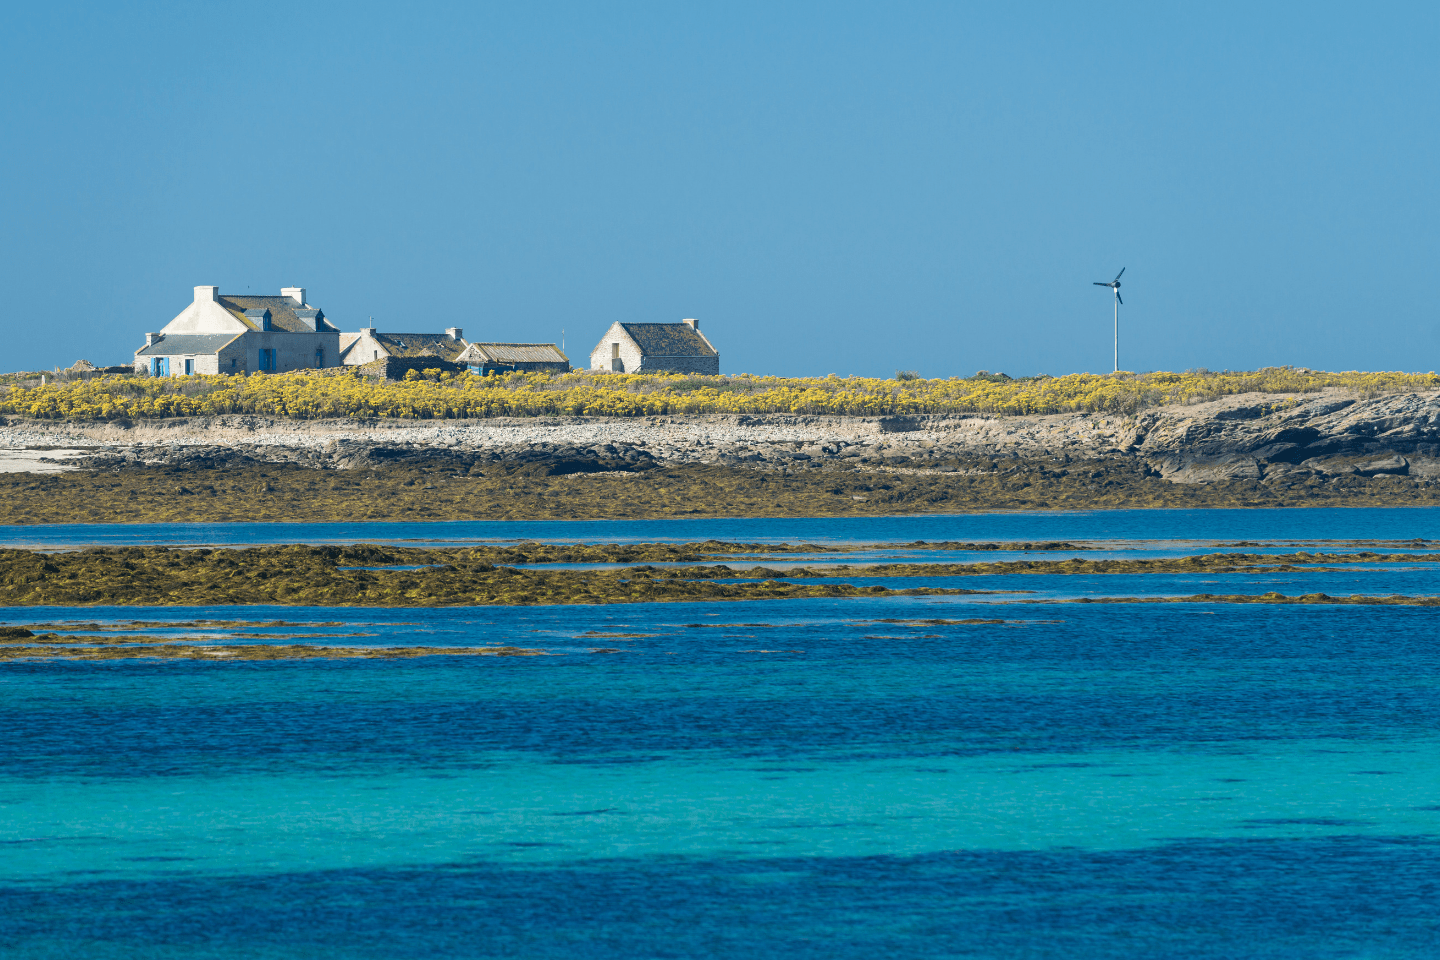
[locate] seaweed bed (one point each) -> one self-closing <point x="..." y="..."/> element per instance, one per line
<point x="1395" y="600"/>
<point x="447" y="489"/>
<point x="470" y="576"/>
<point x="316" y="576"/>
<point x="257" y="651"/>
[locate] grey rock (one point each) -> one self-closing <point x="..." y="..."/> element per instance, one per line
<point x="1387" y="465"/>
<point x="1203" y="469"/>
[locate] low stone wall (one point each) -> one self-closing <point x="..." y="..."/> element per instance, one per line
<point x="395" y="368"/>
<point x="709" y="366"/>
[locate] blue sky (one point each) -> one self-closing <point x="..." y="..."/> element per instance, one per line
<point x="828" y="187"/>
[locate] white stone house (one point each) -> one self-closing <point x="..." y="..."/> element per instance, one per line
<point x="370" y="345"/>
<point x="241" y="334"/>
<point x="655" y="348"/>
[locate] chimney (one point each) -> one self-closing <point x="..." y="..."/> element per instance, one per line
<point x="454" y="333"/>
<point x="693" y="324"/>
<point x="207" y="294"/>
<point x="294" y="293"/>
<point x="153" y="338"/>
<point x="368" y="331"/>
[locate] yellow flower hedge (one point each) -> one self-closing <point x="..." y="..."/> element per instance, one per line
<point x="311" y="395"/>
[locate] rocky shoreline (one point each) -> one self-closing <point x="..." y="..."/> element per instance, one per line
<point x="1249" y="437"/>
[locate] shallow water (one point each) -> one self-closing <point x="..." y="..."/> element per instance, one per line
<point x="1397" y="523"/>
<point x="767" y="779"/>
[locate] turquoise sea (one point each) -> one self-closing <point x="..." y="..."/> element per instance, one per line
<point x="762" y="779"/>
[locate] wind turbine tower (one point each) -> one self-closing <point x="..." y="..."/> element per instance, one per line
<point x="1115" y="285"/>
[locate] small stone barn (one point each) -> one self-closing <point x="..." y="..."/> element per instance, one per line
<point x="370" y="345"/>
<point x="655" y="348"/>
<point x="484" y="358"/>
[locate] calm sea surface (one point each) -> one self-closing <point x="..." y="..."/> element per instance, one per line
<point x="766" y="779"/>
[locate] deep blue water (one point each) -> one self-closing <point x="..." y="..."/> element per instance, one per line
<point x="760" y="779"/>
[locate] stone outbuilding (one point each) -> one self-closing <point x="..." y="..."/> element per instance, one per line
<point x="241" y="334"/>
<point x="369" y="345"/>
<point x="485" y="358"/>
<point x="655" y="348"/>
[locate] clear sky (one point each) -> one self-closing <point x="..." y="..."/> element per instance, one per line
<point x="828" y="187"/>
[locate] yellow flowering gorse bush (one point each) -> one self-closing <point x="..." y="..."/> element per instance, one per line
<point x="310" y="395"/>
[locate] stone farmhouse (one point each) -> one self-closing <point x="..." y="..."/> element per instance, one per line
<point x="241" y="334"/>
<point x="486" y="358"/>
<point x="370" y="345"/>
<point x="655" y="348"/>
<point x="244" y="334"/>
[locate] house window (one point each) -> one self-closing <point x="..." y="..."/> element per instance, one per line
<point x="614" y="351"/>
<point x="267" y="360"/>
<point x="234" y="362"/>
<point x="189" y="366"/>
<point x="376" y="354"/>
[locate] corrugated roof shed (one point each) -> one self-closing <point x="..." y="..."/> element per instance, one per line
<point x="513" y="353"/>
<point x="186" y="344"/>
<point x="668" y="340"/>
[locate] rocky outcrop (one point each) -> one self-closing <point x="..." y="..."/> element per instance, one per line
<point x="1251" y="437"/>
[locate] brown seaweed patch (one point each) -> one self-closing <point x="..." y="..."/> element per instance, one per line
<point x="312" y="576"/>
<point x="968" y="622"/>
<point x="299" y="636"/>
<point x="91" y="627"/>
<point x="1212" y="563"/>
<point x="441" y="489"/>
<point x="178" y="651"/>
<point x="925" y="636"/>
<point x="1395" y="600"/>
<point x="594" y="635"/>
<point x="107" y="640"/>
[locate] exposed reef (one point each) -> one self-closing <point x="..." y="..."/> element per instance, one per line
<point x="364" y="575"/>
<point x="1362" y="600"/>
<point x="318" y="576"/>
<point x="70" y="649"/>
<point x="444" y="490"/>
<point x="1251" y="450"/>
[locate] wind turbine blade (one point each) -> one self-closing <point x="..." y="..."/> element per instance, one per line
<point x="1120" y="274"/>
<point x="1099" y="284"/>
<point x="1117" y="296"/>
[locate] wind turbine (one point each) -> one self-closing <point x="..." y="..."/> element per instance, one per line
<point x="1115" y="285"/>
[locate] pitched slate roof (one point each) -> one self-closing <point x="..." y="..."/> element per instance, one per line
<point x="421" y="345"/>
<point x="668" y="340"/>
<point x="513" y="353"/>
<point x="285" y="313"/>
<point x="187" y="344"/>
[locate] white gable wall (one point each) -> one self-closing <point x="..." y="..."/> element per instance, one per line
<point x="364" y="349"/>
<point x="602" y="357"/>
<point x="205" y="315"/>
